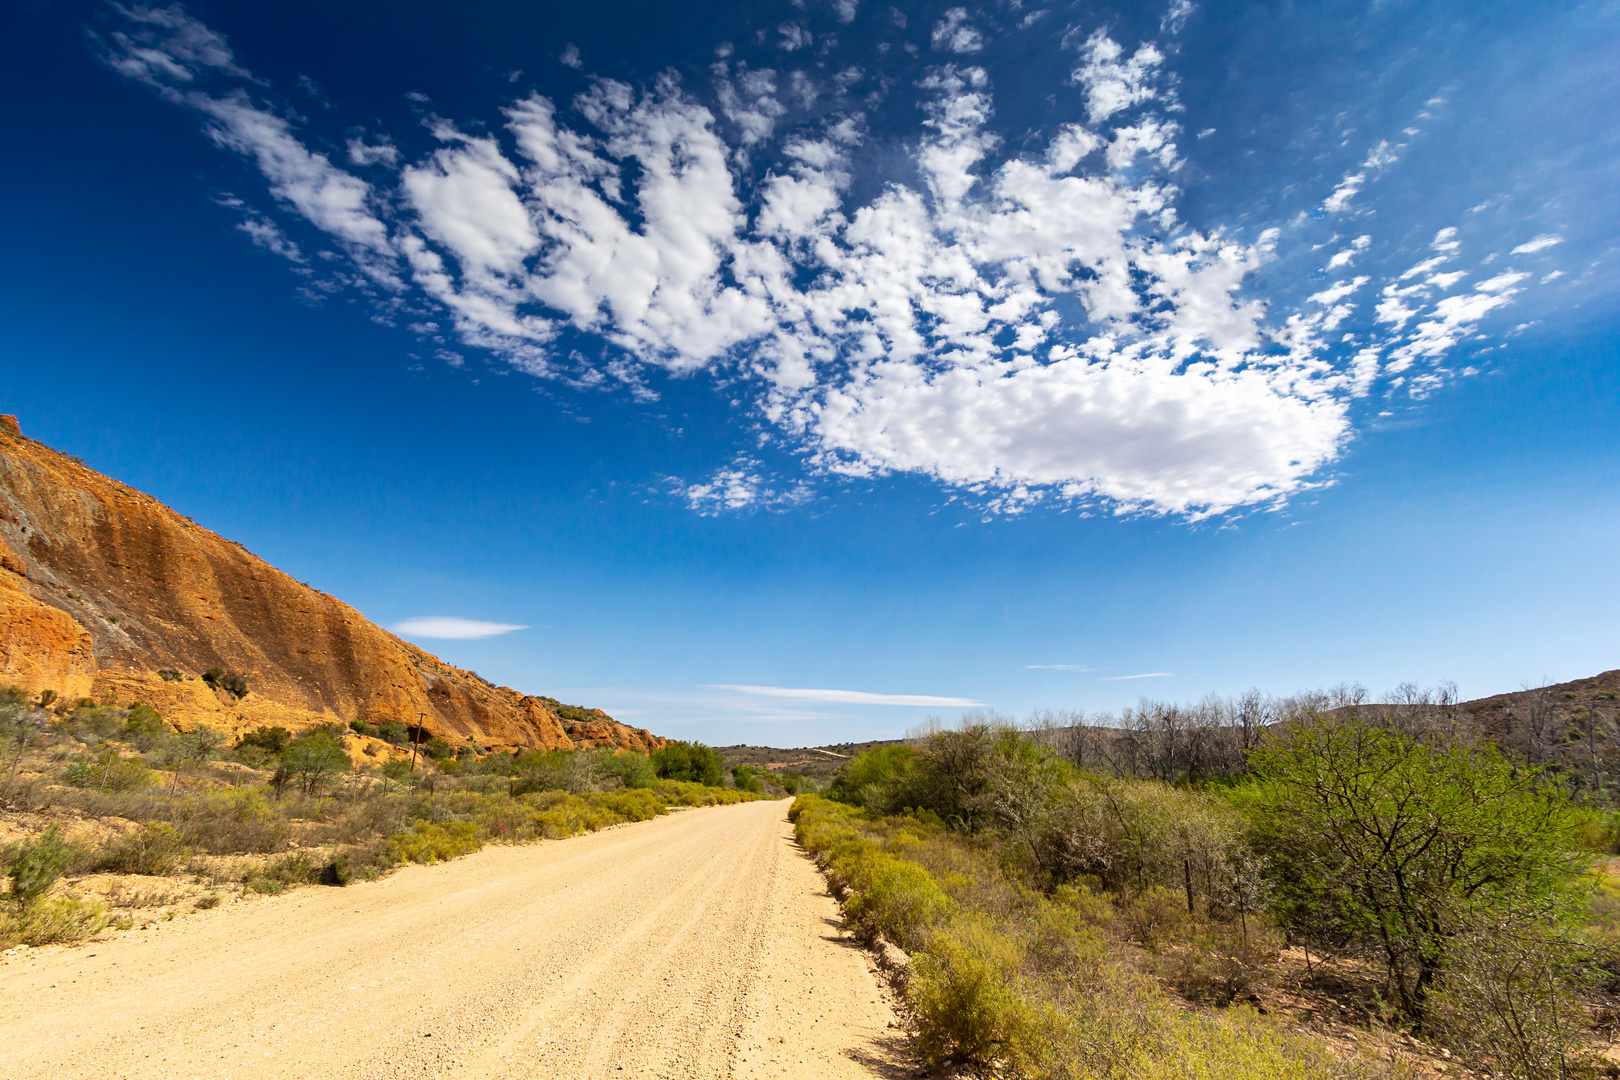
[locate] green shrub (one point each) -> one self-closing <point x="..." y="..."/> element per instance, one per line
<point x="1386" y="844"/>
<point x="551" y="770"/>
<point x="397" y="770"/>
<point x="34" y="866"/>
<point x="230" y="681"/>
<point x="437" y="749"/>
<point x="896" y="898"/>
<point x="747" y="778"/>
<point x="270" y="739"/>
<point x="314" y="758"/>
<point x="868" y="779"/>
<point x="90" y="722"/>
<point x="169" y="674"/>
<point x="393" y="731"/>
<point x="51" y="922"/>
<point x="969" y="1011"/>
<point x="690" y="762"/>
<point x="1011" y="982"/>
<point x="629" y="768"/>
<point x="143" y="726"/>
<point x="429" y="842"/>
<point x="1153" y="915"/>
<point x="151" y="849"/>
<point x="108" y="771"/>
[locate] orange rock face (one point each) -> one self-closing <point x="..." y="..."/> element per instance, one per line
<point x="41" y="648"/>
<point x="102" y="587"/>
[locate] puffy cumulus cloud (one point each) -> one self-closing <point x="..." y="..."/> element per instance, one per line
<point x="1114" y="83"/>
<point x="953" y="33"/>
<point x="1033" y="328"/>
<point x="737" y="486"/>
<point x="749" y="101"/>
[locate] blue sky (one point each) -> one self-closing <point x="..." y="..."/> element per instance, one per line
<point x="786" y="373"/>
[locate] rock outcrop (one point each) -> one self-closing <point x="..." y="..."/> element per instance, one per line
<point x="102" y="588"/>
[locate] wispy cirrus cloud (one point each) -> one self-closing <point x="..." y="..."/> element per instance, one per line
<point x="849" y="697"/>
<point x="1027" y="327"/>
<point x="1540" y="243"/>
<point x="1145" y="675"/>
<point x="451" y="627"/>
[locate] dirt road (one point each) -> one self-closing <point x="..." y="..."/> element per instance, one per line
<point x="696" y="945"/>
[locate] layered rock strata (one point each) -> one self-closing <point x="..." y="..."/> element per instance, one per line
<point x="102" y="587"/>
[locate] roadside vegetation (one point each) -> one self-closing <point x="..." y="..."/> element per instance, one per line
<point x="1174" y="899"/>
<point x="113" y="819"/>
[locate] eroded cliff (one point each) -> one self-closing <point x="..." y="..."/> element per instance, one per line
<point x="102" y="587"/>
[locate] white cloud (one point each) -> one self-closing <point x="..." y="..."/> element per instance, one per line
<point x="793" y="37"/>
<point x="953" y="33"/>
<point x="1114" y="84"/>
<point x="164" y="46"/>
<point x="1176" y="17"/>
<point x="452" y="628"/>
<point x="1540" y="243"/>
<point x="570" y="56"/>
<point x="329" y="198"/>
<point x="1338" y="291"/>
<point x="1147" y="675"/>
<point x="728" y="489"/>
<point x="750" y="103"/>
<point x="1028" y="327"/>
<point x="1339" y="201"/>
<point x="1152" y="137"/>
<point x="851" y="697"/>
<point x="735" y="487"/>
<point x="1345" y="256"/>
<point x="383" y="153"/>
<point x="268" y="235"/>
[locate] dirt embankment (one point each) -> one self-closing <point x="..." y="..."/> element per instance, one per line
<point x="103" y="587"/>
<point x="697" y="945"/>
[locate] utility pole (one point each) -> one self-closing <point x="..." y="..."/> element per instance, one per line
<point x="417" y="742"/>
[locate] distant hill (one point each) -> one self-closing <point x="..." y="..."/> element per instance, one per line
<point x="107" y="593"/>
<point x="1572" y="726"/>
<point x="822" y="762"/>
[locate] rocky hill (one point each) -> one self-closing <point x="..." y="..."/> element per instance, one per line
<point x="107" y="593"/>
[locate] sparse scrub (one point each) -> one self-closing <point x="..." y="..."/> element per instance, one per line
<point x="53" y="922"/>
<point x="429" y="843"/>
<point x="300" y="815"/>
<point x="1016" y="982"/>
<point x="1510" y="1001"/>
<point x="33" y="867"/>
<point x="151" y="849"/>
<point x="108" y="771"/>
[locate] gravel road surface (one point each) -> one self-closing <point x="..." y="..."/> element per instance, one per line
<point x="701" y="944"/>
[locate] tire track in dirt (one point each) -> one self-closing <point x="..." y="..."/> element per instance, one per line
<point x="693" y="946"/>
